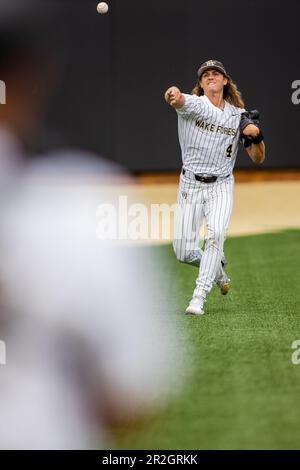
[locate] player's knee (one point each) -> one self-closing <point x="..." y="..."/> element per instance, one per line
<point x="179" y="252"/>
<point x="183" y="257"/>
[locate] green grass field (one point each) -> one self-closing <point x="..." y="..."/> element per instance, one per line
<point x="244" y="392"/>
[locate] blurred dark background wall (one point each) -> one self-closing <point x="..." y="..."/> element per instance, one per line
<point x="119" y="65"/>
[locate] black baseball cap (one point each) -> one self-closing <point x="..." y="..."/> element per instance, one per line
<point x="212" y="64"/>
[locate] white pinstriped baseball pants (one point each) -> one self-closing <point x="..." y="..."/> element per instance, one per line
<point x="196" y="201"/>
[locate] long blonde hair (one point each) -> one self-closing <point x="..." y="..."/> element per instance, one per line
<point x="230" y="93"/>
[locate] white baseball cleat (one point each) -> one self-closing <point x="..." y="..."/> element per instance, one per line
<point x="195" y="307"/>
<point x="223" y="281"/>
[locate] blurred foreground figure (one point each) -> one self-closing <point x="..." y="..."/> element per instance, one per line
<point x="86" y="345"/>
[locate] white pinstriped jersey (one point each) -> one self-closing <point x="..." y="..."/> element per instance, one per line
<point x="208" y="136"/>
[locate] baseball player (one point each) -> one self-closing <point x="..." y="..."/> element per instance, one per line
<point x="211" y="122"/>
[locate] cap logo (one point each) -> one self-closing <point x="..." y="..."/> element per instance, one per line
<point x="210" y="63"/>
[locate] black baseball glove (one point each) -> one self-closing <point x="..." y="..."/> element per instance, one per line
<point x="250" y="117"/>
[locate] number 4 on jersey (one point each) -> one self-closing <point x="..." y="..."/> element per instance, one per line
<point x="229" y="151"/>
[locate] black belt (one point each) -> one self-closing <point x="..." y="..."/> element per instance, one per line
<point x="204" y="179"/>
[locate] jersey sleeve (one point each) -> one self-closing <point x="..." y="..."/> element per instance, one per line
<point x="241" y="111"/>
<point x="193" y="106"/>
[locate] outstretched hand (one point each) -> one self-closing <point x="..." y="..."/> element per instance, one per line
<point x="174" y="97"/>
<point x="249" y="123"/>
<point x="251" y="130"/>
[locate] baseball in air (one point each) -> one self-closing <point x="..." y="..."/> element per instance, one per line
<point x="102" y="8"/>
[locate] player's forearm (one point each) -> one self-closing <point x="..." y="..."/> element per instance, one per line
<point x="257" y="152"/>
